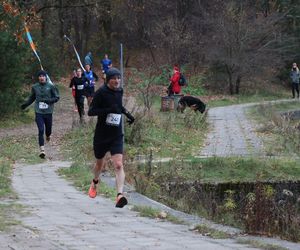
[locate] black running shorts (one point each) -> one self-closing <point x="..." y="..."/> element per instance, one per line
<point x="114" y="147"/>
<point x="89" y="91"/>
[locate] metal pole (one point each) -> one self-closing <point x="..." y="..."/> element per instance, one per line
<point x="121" y="65"/>
<point x="122" y="81"/>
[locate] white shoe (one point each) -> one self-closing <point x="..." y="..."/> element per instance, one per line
<point x="42" y="152"/>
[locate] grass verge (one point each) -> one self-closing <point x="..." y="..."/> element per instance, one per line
<point x="20" y="149"/>
<point x="279" y="134"/>
<point x="12" y="150"/>
<point x="225" y="100"/>
<point x="166" y="134"/>
<point x="261" y="245"/>
<point x="223" y="170"/>
<point x="17" y="119"/>
<point x="259" y="112"/>
<point x="211" y="232"/>
<point x="5" y="180"/>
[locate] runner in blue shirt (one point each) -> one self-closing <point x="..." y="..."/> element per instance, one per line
<point x="90" y="88"/>
<point x="106" y="65"/>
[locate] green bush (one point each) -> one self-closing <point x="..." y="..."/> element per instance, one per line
<point x="13" y="56"/>
<point x="195" y="86"/>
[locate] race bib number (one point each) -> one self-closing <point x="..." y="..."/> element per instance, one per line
<point x="113" y="119"/>
<point x="80" y="87"/>
<point x="43" y="105"/>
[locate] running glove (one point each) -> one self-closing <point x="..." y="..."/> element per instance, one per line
<point x="130" y="118"/>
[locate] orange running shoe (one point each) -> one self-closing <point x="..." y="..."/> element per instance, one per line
<point x="93" y="189"/>
<point x="121" y="200"/>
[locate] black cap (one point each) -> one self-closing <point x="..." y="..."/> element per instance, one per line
<point x="112" y="72"/>
<point x="41" y="73"/>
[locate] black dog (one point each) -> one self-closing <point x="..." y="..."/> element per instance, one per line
<point x="192" y="102"/>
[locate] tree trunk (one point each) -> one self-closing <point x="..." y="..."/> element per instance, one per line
<point x="77" y="42"/>
<point x="87" y="34"/>
<point x="153" y="57"/>
<point x="61" y="29"/>
<point x="237" y="84"/>
<point x="44" y="25"/>
<point x="266" y="8"/>
<point x="127" y="61"/>
<point x="229" y="73"/>
<point x="106" y="22"/>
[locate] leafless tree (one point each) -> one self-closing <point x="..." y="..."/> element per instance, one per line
<point x="243" y="43"/>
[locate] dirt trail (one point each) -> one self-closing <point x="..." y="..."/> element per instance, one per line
<point x="62" y="119"/>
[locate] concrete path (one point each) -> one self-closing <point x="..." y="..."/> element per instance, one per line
<point x="232" y="133"/>
<point x="63" y="218"/>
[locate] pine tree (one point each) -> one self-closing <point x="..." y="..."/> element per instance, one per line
<point x="13" y="53"/>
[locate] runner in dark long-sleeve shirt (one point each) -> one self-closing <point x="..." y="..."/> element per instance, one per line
<point x="45" y="95"/>
<point x="107" y="105"/>
<point x="79" y="83"/>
